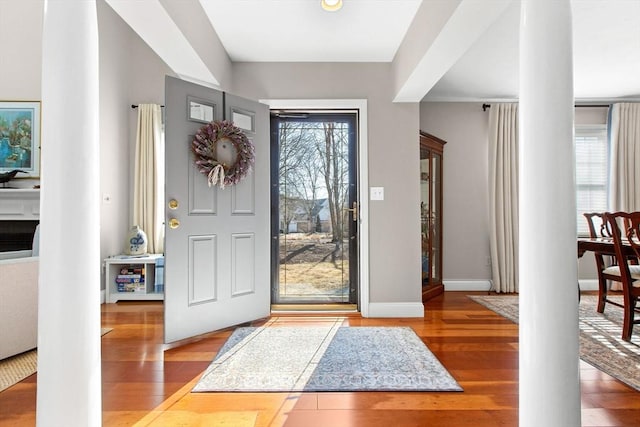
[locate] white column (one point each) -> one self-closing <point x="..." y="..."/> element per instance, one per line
<point x="549" y="357"/>
<point x="69" y="366"/>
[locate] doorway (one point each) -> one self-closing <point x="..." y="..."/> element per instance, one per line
<point x="314" y="207"/>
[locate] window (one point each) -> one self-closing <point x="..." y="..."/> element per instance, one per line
<point x="592" y="158"/>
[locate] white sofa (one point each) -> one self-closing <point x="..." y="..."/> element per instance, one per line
<point x="18" y="301"/>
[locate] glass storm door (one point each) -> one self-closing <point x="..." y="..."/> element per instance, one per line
<point x="314" y="208"/>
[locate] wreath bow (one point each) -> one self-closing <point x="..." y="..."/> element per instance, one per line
<point x="216" y="175"/>
<point x="204" y="149"/>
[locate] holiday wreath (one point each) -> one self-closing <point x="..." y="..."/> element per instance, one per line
<point x="204" y="147"/>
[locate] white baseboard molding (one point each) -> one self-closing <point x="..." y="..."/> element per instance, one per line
<point x="485" y="285"/>
<point x="467" y="285"/>
<point x="396" y="309"/>
<point x="588" y="284"/>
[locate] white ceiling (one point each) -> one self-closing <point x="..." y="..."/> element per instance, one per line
<point x="300" y="31"/>
<point x="606" y="55"/>
<point x="473" y="52"/>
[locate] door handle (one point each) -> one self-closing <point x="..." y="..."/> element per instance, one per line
<point x="174" y="223"/>
<point x="354" y="211"/>
<point x="173" y="204"/>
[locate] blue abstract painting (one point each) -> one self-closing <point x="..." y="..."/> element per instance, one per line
<point x="20" y="137"/>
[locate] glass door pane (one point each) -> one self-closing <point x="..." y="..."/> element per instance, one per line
<point x="436" y="219"/>
<point x="315" y="196"/>
<point x="424" y="212"/>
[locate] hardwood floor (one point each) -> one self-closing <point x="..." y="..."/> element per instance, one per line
<point x="148" y="384"/>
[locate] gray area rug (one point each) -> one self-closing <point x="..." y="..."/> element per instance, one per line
<point x="601" y="344"/>
<point x="332" y="358"/>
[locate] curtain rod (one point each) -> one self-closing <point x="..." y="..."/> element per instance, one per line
<point x="135" y="106"/>
<point x="485" y="106"/>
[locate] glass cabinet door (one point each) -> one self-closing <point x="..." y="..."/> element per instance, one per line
<point x="425" y="209"/>
<point x="436" y="220"/>
<point x="431" y="151"/>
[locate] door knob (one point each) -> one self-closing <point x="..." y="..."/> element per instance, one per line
<point x="174" y="223"/>
<point x="173" y="204"/>
<point x="354" y="211"/>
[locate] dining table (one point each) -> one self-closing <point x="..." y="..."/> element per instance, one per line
<point x="604" y="245"/>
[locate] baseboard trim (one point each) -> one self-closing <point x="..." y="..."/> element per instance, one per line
<point x="467" y="285"/>
<point x="485" y="285"/>
<point x="396" y="309"/>
<point x="588" y="284"/>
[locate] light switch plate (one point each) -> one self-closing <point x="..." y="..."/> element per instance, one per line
<point x="377" y="193"/>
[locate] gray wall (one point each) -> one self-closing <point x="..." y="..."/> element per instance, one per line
<point x="21" y="62"/>
<point x="114" y="38"/>
<point x="465" y="186"/>
<point x="21" y="58"/>
<point x="394" y="238"/>
<point x="466" y="195"/>
<point x="129" y="73"/>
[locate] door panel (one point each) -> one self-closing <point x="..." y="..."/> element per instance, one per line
<point x="202" y="201"/>
<point x="243" y="247"/>
<point x="243" y="199"/>
<point x="202" y="282"/>
<point x="217" y="259"/>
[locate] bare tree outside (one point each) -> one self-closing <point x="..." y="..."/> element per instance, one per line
<point x="333" y="153"/>
<point x="294" y="143"/>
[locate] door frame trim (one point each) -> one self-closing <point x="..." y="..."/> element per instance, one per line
<point x="363" y="176"/>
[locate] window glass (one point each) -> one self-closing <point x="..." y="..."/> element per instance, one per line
<point x="592" y="155"/>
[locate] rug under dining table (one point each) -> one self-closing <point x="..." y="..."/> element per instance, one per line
<point x="601" y="343"/>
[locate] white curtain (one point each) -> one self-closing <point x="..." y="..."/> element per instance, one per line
<point x="625" y="157"/>
<point x="148" y="193"/>
<point x="503" y="196"/>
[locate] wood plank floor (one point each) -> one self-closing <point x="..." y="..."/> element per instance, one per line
<point x="148" y="384"/>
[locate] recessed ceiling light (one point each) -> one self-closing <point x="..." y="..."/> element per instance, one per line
<point x="331" y="5"/>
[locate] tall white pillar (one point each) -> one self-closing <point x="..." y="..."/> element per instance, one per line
<point x="69" y="366"/>
<point x="549" y="352"/>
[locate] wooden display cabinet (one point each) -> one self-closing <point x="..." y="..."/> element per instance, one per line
<point x="431" y="154"/>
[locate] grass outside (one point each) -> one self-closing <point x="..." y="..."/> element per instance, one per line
<point x="310" y="264"/>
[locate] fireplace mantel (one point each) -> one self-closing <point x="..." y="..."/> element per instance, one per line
<point x="18" y="204"/>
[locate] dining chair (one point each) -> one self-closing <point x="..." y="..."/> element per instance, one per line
<point x="625" y="227"/>
<point x="606" y="265"/>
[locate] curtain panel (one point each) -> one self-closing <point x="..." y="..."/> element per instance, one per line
<point x="624" y="194"/>
<point x="148" y="194"/>
<point x="503" y="196"/>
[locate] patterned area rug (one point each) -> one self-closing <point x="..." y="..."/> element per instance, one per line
<point x="16" y="368"/>
<point x="601" y="344"/>
<point x="332" y="358"/>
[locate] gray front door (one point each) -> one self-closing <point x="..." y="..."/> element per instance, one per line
<point x="217" y="240"/>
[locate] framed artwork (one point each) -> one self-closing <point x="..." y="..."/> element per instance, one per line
<point x="20" y="138"/>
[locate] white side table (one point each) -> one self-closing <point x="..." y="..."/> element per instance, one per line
<point x="114" y="265"/>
